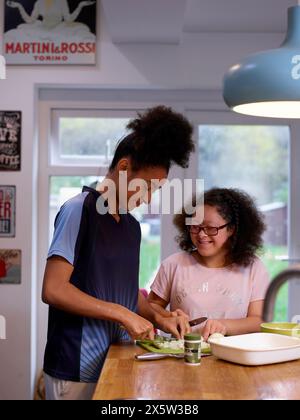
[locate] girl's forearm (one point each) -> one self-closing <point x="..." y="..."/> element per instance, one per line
<point x="159" y="309"/>
<point x="250" y="324"/>
<point x="70" y="299"/>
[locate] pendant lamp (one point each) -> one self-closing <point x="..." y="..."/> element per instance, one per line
<point x="267" y="84"/>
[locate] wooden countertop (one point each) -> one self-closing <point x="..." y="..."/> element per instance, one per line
<point x="124" y="377"/>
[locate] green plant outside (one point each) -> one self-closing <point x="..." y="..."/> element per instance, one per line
<point x="149" y="259"/>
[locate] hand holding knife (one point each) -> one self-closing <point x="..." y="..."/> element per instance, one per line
<point x="155" y="356"/>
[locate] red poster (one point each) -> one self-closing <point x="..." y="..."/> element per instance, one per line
<point x="7" y="211"/>
<point x="10" y="266"/>
<point x="50" y="32"/>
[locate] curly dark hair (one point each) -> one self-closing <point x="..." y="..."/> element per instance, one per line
<point x="159" y="137"/>
<point x="238" y="209"/>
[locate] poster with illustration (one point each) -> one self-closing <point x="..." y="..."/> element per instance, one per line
<point x="50" y="32"/>
<point x="7" y="211"/>
<point x="10" y="140"/>
<point x="10" y="266"/>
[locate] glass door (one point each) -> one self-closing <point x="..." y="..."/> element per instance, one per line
<point x="234" y="153"/>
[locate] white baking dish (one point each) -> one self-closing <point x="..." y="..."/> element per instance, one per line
<point x="256" y="349"/>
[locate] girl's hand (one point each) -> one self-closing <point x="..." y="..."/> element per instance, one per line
<point x="176" y="325"/>
<point x="179" y="312"/>
<point x="213" y="326"/>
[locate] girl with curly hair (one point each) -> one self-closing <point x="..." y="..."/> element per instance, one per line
<point x="218" y="274"/>
<point x="91" y="279"/>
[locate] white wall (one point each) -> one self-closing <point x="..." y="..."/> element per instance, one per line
<point x="198" y="62"/>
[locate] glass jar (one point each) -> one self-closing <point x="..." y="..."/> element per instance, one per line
<point x="192" y="349"/>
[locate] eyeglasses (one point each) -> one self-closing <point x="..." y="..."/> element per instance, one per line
<point x="208" y="230"/>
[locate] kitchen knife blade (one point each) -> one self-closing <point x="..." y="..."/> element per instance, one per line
<point x="157" y="356"/>
<point x="197" y="321"/>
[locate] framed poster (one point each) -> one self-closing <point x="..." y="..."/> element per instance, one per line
<point x="7" y="211"/>
<point x="10" y="140"/>
<point x="10" y="266"/>
<point x="50" y="32"/>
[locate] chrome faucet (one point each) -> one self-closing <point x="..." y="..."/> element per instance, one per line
<point x="291" y="273"/>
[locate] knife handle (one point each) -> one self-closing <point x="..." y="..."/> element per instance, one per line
<point x="150" y="356"/>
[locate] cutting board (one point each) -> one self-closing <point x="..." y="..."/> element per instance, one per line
<point x="150" y="347"/>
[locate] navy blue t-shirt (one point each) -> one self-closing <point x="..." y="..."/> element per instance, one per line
<point x="105" y="256"/>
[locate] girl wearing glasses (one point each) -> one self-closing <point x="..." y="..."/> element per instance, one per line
<point x="218" y="274"/>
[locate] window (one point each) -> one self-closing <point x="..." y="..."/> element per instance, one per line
<point x="82" y="146"/>
<point x="254" y="158"/>
<point x="85" y="137"/>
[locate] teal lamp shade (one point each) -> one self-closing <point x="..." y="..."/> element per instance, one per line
<point x="267" y="84"/>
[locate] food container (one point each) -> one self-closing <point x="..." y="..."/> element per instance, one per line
<point x="256" y="349"/>
<point x="192" y="349"/>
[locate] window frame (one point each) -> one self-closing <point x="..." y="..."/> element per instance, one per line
<point x="98" y="161"/>
<point x="199" y="117"/>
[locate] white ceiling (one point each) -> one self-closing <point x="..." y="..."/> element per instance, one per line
<point x="166" y="21"/>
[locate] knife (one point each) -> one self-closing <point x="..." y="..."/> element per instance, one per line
<point x="197" y="321"/>
<point x="157" y="356"/>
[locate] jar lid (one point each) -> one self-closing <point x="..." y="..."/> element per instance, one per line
<point x="191" y="337"/>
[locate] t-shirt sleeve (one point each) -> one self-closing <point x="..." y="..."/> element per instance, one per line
<point x="260" y="281"/>
<point x="162" y="283"/>
<point x="67" y="225"/>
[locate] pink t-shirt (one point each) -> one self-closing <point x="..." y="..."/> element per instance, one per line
<point x="218" y="293"/>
